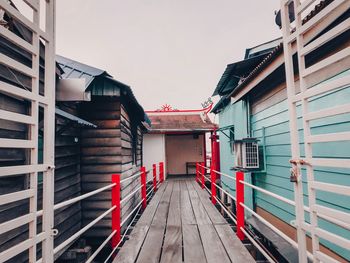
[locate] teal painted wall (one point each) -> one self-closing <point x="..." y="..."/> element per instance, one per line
<point x="237" y="115"/>
<point x="276" y="179"/>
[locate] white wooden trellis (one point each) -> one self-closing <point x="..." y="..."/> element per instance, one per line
<point x="295" y="34"/>
<point x="47" y="102"/>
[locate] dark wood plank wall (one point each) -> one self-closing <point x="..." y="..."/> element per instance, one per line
<point x="131" y="162"/>
<point x="67" y="173"/>
<point x="67" y="177"/>
<point x="9" y="157"/>
<point x="106" y="150"/>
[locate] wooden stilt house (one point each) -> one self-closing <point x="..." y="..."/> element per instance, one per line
<point x="67" y="148"/>
<point x="257" y="105"/>
<point x="114" y="146"/>
<point x="116" y="134"/>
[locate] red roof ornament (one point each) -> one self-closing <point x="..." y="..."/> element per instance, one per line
<point x="166" y="108"/>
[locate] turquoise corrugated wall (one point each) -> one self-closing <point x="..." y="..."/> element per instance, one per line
<point x="233" y="114"/>
<point x="275" y="122"/>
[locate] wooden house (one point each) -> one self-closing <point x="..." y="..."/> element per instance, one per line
<point x="177" y="138"/>
<point x="84" y="158"/>
<point x="113" y="146"/>
<point x="256" y="105"/>
<point x="67" y="158"/>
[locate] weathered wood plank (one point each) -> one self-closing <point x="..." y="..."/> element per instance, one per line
<point x="152" y="246"/>
<point x="100" y="133"/>
<point x="98" y="142"/>
<point x="151" y="249"/>
<point x="212" y="245"/>
<point x="187" y="215"/>
<point x="160" y="218"/>
<point x="102" y="115"/>
<point x="98" y="151"/>
<point x="213" y="213"/>
<point x="174" y="215"/>
<point x="107" y="124"/>
<point x="199" y="211"/>
<point x="192" y="245"/>
<point x="101" y="159"/>
<point x="132" y="247"/>
<point x="164" y="219"/>
<point x="234" y="247"/>
<point x="101" y="168"/>
<point x="101" y="105"/>
<point x="172" y="247"/>
<point x="147" y="216"/>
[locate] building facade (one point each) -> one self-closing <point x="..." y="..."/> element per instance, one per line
<point x="256" y="106"/>
<point x="178" y="138"/>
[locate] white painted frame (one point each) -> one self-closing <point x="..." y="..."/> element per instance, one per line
<point x="316" y="211"/>
<point x="47" y="102"/>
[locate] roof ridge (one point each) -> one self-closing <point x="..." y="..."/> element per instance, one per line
<point x="319" y="7"/>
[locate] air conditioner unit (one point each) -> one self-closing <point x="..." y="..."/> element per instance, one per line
<point x="246" y="152"/>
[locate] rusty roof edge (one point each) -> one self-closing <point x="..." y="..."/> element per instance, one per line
<point x="277" y="51"/>
<point x="274" y="54"/>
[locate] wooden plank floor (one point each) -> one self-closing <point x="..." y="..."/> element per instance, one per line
<point x="181" y="225"/>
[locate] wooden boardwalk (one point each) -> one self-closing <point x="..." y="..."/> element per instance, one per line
<point x="180" y="224"/>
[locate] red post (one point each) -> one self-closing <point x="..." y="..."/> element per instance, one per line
<point x="197" y="173"/>
<point x="203" y="172"/>
<point x="116" y="212"/>
<point x="154" y="177"/>
<point x="161" y="172"/>
<point x="143" y="188"/>
<point x="239" y="208"/>
<point x="213" y="187"/>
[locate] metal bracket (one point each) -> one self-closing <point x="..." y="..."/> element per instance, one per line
<point x="298" y="161"/>
<point x="54" y="232"/>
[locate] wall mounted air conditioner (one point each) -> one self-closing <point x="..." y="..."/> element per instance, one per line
<point x="246" y="152"/>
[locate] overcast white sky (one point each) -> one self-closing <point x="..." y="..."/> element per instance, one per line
<point x="168" y="51"/>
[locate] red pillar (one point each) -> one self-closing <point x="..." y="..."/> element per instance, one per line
<point x="205" y="150"/>
<point x="143" y="188"/>
<point x="203" y="172"/>
<point x="197" y="173"/>
<point x="213" y="187"/>
<point x="154" y="177"/>
<point x="239" y="208"/>
<point x="215" y="151"/>
<point x="116" y="212"/>
<point x="161" y="172"/>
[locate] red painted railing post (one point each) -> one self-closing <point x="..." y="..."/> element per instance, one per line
<point x="239" y="208"/>
<point x="116" y="212"/>
<point x="203" y="172"/>
<point x="161" y="172"/>
<point x="197" y="180"/>
<point x="213" y="187"/>
<point x="154" y="177"/>
<point x="143" y="188"/>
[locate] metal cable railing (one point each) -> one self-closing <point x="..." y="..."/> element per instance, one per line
<point x="201" y="178"/>
<point x="117" y="202"/>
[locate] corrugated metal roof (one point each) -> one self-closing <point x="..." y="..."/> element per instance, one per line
<point x="278" y="50"/>
<point x="106" y="85"/>
<point x="73" y="118"/>
<point x="75" y="69"/>
<point x="236" y="71"/>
